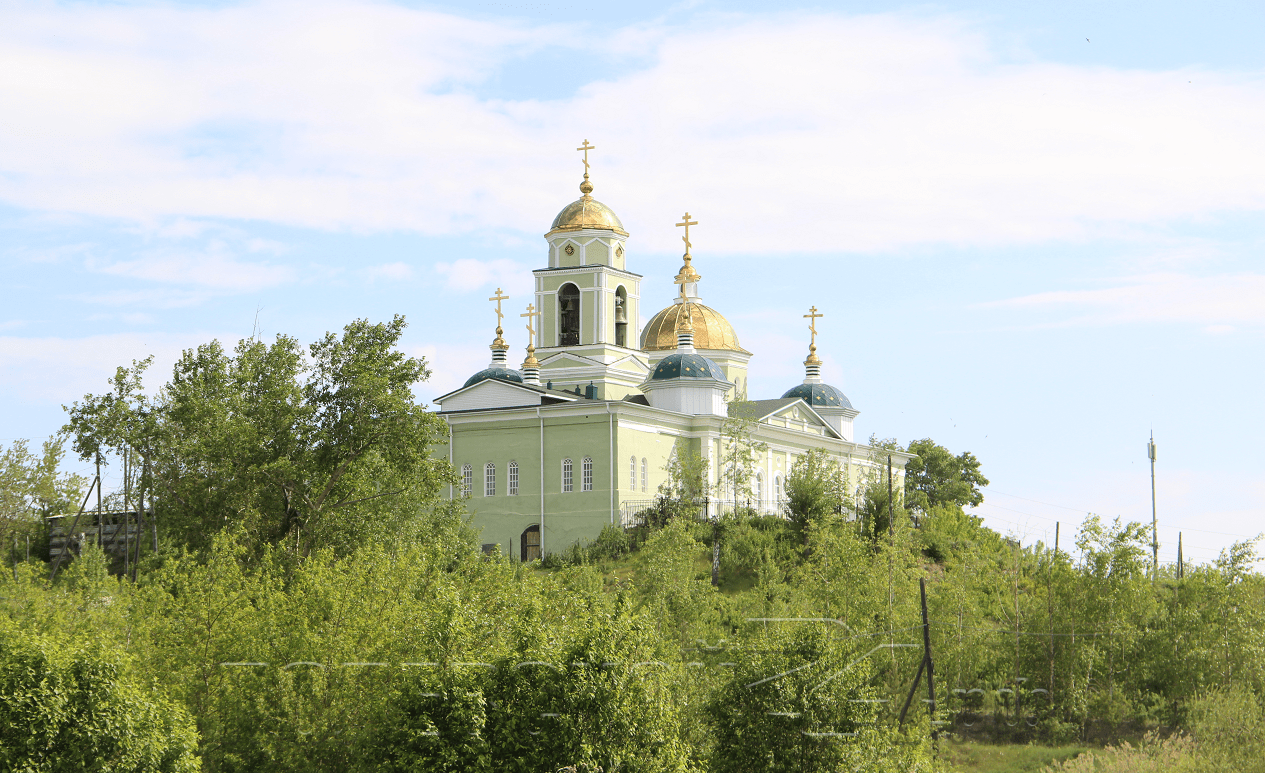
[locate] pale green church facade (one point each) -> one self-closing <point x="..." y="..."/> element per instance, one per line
<point x="578" y="438"/>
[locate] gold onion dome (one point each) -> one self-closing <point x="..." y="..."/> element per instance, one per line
<point x="711" y="330"/>
<point x="587" y="212"/>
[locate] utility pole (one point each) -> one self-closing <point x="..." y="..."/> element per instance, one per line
<point x="1155" y="542"/>
<point x="1180" y="568"/>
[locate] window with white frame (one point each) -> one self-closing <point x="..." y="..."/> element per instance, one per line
<point x="759" y="489"/>
<point x="586" y="474"/>
<point x="566" y="476"/>
<point x="632" y="473"/>
<point x="777" y="488"/>
<point x="645" y="477"/>
<point x="512" y="479"/>
<point x="489" y="480"/>
<point x="467" y="480"/>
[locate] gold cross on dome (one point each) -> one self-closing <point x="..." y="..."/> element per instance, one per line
<point x="531" y="314"/>
<point x="687" y="223"/>
<point x="498" y="298"/>
<point x="812" y="316"/>
<point x="586" y="147"/>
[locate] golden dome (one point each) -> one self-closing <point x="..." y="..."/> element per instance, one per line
<point x="711" y="330"/>
<point x="587" y="212"/>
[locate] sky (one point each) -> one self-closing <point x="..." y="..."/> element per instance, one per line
<point x="1035" y="229"/>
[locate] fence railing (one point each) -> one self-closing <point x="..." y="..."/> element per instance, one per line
<point x="633" y="512"/>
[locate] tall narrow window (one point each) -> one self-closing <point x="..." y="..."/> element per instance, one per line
<point x="467" y="480"/>
<point x="512" y="479"/>
<point x="645" y="477"/>
<point x="632" y="473"/>
<point x="586" y="474"/>
<point x="759" y="490"/>
<point x="489" y="480"/>
<point x="569" y="315"/>
<point x="566" y="476"/>
<point x="777" y="488"/>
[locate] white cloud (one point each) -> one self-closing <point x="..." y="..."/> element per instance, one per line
<point x="210" y="271"/>
<point x="798" y="132"/>
<point x="1216" y="302"/>
<point x="468" y="274"/>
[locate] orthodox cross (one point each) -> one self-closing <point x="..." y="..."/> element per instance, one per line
<point x="586" y="147"/>
<point x="531" y="313"/>
<point x="687" y="223"/>
<point x="498" y="298"/>
<point x="812" y="316"/>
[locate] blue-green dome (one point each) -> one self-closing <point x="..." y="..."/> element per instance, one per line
<point x="503" y="374"/>
<point x="822" y="395"/>
<point x="686" y="365"/>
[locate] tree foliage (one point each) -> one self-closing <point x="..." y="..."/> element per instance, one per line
<point x="937" y="477"/>
<point x="69" y="711"/>
<point x="305" y="449"/>
<point x="816" y="490"/>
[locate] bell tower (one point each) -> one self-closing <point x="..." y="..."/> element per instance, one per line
<point x="588" y="302"/>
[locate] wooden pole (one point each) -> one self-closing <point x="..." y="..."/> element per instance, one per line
<point x="1180" y="568"/>
<point x="927" y="665"/>
<point x="74" y="524"/>
<point x="127" y="506"/>
<point x="1155" y="540"/>
<point x="1049" y="592"/>
<point x="100" y="534"/>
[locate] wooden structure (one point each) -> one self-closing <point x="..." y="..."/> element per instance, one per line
<point x="118" y="532"/>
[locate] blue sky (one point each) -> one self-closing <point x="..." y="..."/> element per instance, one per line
<point x="1035" y="229"/>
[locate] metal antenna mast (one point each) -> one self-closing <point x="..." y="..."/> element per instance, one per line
<point x="1155" y="542"/>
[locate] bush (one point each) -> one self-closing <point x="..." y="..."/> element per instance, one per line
<point x="78" y="712"/>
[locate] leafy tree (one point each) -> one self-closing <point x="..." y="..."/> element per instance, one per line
<point x="816" y="489"/>
<point x="937" y="477"/>
<point x="32" y="488"/>
<point x="74" y="712"/>
<point x="739" y="452"/>
<point x="294" y="448"/>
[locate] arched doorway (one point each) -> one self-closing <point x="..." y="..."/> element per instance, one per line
<point x="529" y="543"/>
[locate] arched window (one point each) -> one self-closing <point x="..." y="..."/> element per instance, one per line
<point x="569" y="315"/>
<point x="777" y="489"/>
<point x="489" y="480"/>
<point x="632" y="473"/>
<point x="586" y="474"/>
<point x="512" y="479"/>
<point x="759" y="490"/>
<point x="467" y="480"/>
<point x="529" y="543"/>
<point x="567" y="485"/>
<point x="645" y="477"/>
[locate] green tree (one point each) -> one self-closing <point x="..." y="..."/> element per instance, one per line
<point x="75" y="712"/>
<point x="937" y="477"/>
<point x="294" y="448"/>
<point x="32" y="487"/>
<point x="816" y="490"/>
<point x="739" y="452"/>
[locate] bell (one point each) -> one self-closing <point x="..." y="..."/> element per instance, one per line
<point x="621" y="316"/>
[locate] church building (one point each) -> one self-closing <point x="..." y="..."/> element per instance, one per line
<point x="579" y="436"/>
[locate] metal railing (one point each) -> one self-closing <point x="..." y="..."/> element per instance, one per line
<point x="633" y="512"/>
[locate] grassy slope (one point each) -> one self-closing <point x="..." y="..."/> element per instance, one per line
<point x="971" y="757"/>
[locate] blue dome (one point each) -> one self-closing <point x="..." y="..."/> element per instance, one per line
<point x="822" y="395"/>
<point x="503" y="374"/>
<point x="686" y="365"/>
